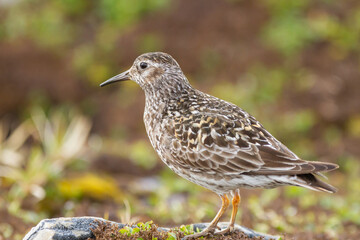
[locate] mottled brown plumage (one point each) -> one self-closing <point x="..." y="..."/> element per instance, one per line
<point x="211" y="142"/>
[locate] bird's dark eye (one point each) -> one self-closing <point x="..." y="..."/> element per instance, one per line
<point x="143" y="65"/>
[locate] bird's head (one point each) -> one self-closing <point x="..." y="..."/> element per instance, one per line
<point x="153" y="71"/>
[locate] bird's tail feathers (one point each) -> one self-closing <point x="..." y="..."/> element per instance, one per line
<point x="324" y="166"/>
<point x="311" y="182"/>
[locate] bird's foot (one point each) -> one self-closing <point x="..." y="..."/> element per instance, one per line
<point x="229" y="229"/>
<point x="207" y="231"/>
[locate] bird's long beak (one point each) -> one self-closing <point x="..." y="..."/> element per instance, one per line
<point x="120" y="77"/>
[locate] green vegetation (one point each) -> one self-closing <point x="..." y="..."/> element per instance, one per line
<point x="150" y="231"/>
<point x="141" y="231"/>
<point x="58" y="142"/>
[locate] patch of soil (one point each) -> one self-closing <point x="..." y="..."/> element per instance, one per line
<point x="106" y="231"/>
<point x="27" y="69"/>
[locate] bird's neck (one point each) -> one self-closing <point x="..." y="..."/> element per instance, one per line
<point x="166" y="91"/>
<point x="159" y="102"/>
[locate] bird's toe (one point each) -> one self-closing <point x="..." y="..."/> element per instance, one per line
<point x="227" y="230"/>
<point x="207" y="231"/>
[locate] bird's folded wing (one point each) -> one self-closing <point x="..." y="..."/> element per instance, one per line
<point x="219" y="145"/>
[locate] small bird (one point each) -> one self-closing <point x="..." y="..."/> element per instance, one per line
<point x="212" y="142"/>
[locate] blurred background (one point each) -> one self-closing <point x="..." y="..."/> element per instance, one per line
<point x="69" y="148"/>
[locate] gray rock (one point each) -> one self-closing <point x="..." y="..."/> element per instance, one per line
<point x="79" y="228"/>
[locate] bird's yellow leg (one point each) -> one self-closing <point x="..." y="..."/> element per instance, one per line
<point x="235" y="203"/>
<point x="212" y="226"/>
<point x="225" y="204"/>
